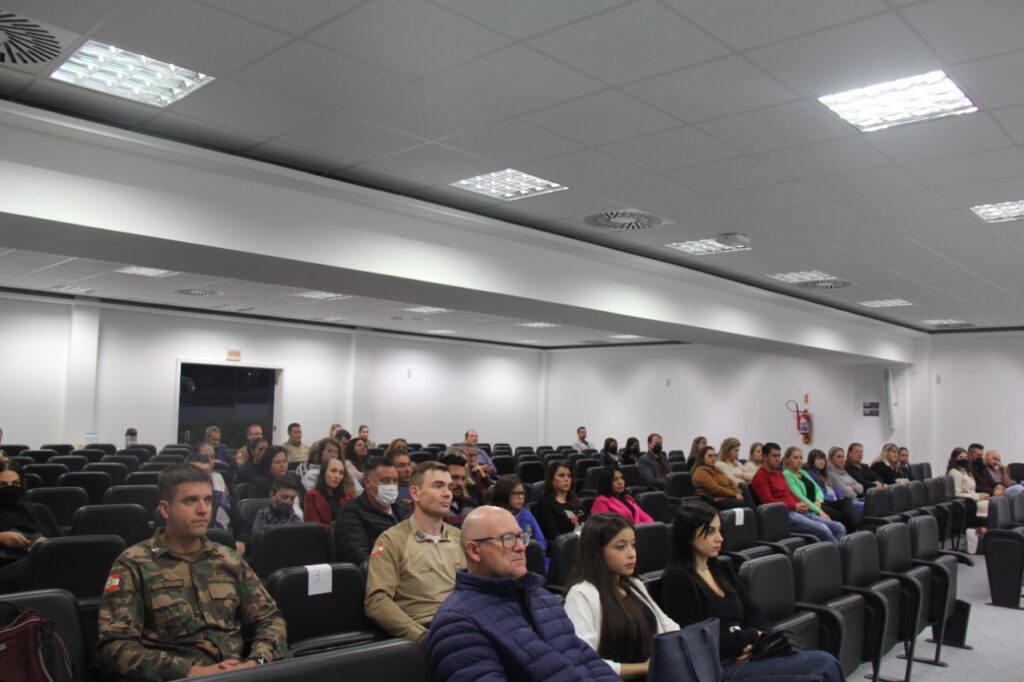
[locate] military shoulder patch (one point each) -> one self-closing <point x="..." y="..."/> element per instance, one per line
<point x="113" y="583"/>
<point x="378" y="549"/>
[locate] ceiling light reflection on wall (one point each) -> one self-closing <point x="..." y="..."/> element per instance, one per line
<point x="330" y="318"/>
<point x="426" y="310"/>
<point x="907" y="100"/>
<point x="233" y="308"/>
<point x="948" y="324"/>
<point x="442" y="332"/>
<point x="803" y="276"/>
<point x="145" y="272"/>
<point x="198" y="292"/>
<point x="626" y="337"/>
<point x="323" y="295"/>
<point x="71" y="289"/>
<point x="111" y="70"/>
<point x="885" y="303"/>
<point x="538" y="325"/>
<point x="508" y="185"/>
<point x="1005" y="212"/>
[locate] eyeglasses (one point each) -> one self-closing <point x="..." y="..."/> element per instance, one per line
<point x="518" y="494"/>
<point x="508" y="540"/>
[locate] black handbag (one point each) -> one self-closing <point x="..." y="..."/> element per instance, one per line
<point x="687" y="655"/>
<point x="777" y="643"/>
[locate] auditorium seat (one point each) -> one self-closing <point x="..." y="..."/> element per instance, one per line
<point x="1004" y="552"/>
<point x="117" y="471"/>
<point x="78" y="564"/>
<point x="107" y="448"/>
<point x="170" y="457"/>
<point x="151" y="449"/>
<point x="155" y="467"/>
<point x="297" y="544"/>
<point x="679" y="486"/>
<point x="504" y="464"/>
<point x="59" y="448"/>
<point x="421" y="456"/>
<point x="72" y="462"/>
<point x="50" y="473"/>
<point x="530" y="471"/>
<point x="657" y="505"/>
<point x="653" y="547"/>
<point x="774" y="531"/>
<point x="148" y="496"/>
<point x="40" y="456"/>
<point x="591" y="477"/>
<point x="130" y="522"/>
<point x="60" y="608"/>
<point x="535" y="559"/>
<point x="95" y="483"/>
<point x="899" y="502"/>
<point x="925" y="551"/>
<point x="142" y="478"/>
<point x="739" y="536"/>
<point x="14" y="449"/>
<point x="769" y="583"/>
<point x="222" y="536"/>
<point x="62" y="503"/>
<point x="248" y="507"/>
<point x="131" y="462"/>
<point x="563" y="559"/>
<point x="92" y="454"/>
<point x="896" y="562"/>
<point x="141" y="454"/>
<point x="876" y="510"/>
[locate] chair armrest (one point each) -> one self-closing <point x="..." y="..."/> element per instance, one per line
<point x="778" y="547"/>
<point x="831" y="622"/>
<point x="961" y="557"/>
<point x="679" y="500"/>
<point x="871" y="522"/>
<point x="905" y="580"/>
<point x="806" y="536"/>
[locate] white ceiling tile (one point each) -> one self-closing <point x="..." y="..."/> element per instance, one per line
<point x="573" y="205"/>
<point x="873" y="50"/>
<point x="580" y="169"/>
<point x="994" y="82"/>
<point x="425" y="110"/>
<point x="998" y="163"/>
<point x="12" y="81"/>
<point x="640" y="191"/>
<point x="928" y="203"/>
<point x="528" y="81"/>
<point x="524" y="18"/>
<point x="409" y="37"/>
<point x="349" y="140"/>
<point x="730" y="174"/>
<point x="786" y="125"/>
<point x="430" y="164"/>
<point x="317" y="76"/>
<point x="285" y="16"/>
<point x="629" y="43"/>
<point x="79" y="16"/>
<point x="389" y="179"/>
<point x="986" y="192"/>
<point x="1012" y="118"/>
<point x="770" y="197"/>
<point x="247" y="109"/>
<point x="748" y="23"/>
<point x="185" y="129"/>
<point x="65" y="97"/>
<point x="188" y="34"/>
<point x="671" y="149"/>
<point x="511" y="142"/>
<point x="865" y="182"/>
<point x="968" y="30"/>
<point x="298" y="157"/>
<point x="942" y="137"/>
<point x="825" y="158"/>
<point x="601" y="118"/>
<point x="717" y="88"/>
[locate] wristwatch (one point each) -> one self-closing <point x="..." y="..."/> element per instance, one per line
<point x="259" y="659"/>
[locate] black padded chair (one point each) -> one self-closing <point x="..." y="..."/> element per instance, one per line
<point x="653" y="548"/>
<point x="769" y="583"/>
<point x="130" y="522"/>
<point x="320" y="622"/>
<point x="657" y="505"/>
<point x="72" y="462"/>
<point x="107" y="448"/>
<point x="151" y="449"/>
<point x="926" y="470"/>
<point x="877" y="511"/>
<point x="679" y="486"/>
<point x="61" y="609"/>
<point x="631" y="472"/>
<point x="117" y="471"/>
<point x="919" y="497"/>
<point x="896" y="562"/>
<point x="885" y="607"/>
<point x="394" y="659"/>
<point x="170" y="457"/>
<point x="140" y="453"/>
<point x="504" y="464"/>
<point x="131" y="462"/>
<point x="421" y="456"/>
<point x="774" y="531"/>
<point x="530" y="471"/>
<point x="739" y="536"/>
<point x="926" y="551"/>
<point x="154" y="467"/>
<point x="535" y="559"/>
<point x="92" y="454"/>
<point x="14" y="449"/>
<point x="580" y="470"/>
<point x="899" y="502"/>
<point x="1017" y="506"/>
<point x="50" y="473"/>
<point x="222" y="536"/>
<point x="142" y="478"/>
<point x="250" y="506"/>
<point x="841" y="614"/>
<point x="59" y="448"/>
<point x="32" y="481"/>
<point x="563" y="559"/>
<point x="591" y="477"/>
<point x="40" y="456"/>
<point x="1004" y="552"/>
<point x="95" y="483"/>
<point x="78" y="564"/>
<point x="297" y="544"/>
<point x="936" y="493"/>
<point x="62" y="503"/>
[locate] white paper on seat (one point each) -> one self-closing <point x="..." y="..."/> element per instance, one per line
<point x="319" y="578"/>
<point x="740" y="514"/>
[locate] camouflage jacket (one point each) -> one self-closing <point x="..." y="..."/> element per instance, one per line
<point x="162" y="613"/>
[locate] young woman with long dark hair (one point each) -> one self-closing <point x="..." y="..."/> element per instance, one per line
<point x="610" y="609"/>
<point x="559" y="510"/>
<point x="331" y="491"/>
<point x="612" y="497"/>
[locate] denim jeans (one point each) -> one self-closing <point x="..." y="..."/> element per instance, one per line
<point x="829" y="531"/>
<point x="806" y="666"/>
<point x="1014" y="490"/>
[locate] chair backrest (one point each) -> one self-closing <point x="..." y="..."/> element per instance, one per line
<point x="1000" y="512"/>
<point x="926" y="470"/>
<point x="421" y="456"/>
<point x="32" y="481"/>
<point x="655" y="503"/>
<point x="78" y="564"/>
<point x="117" y="471"/>
<point x="147" y="496"/>
<point x="61" y="609"/>
<point x="894" y="547"/>
<point x="504" y="464"/>
<point x="154" y="467"/>
<point x="858" y="554"/>
<point x="563" y="559"/>
<point x="591" y="476"/>
<point x="773" y="522"/>
<point x="631" y="472"/>
<point x="1018" y="508"/>
<point x="142" y="478"/>
<point x="918" y="494"/>
<point x="876" y="502"/>
<point x="14" y="449"/>
<point x="653" y="547"/>
<point x="949" y="487"/>
<point x="151" y="449"/>
<point x="40" y="456"/>
<point x="72" y="462"/>
<point x="678" y="465"/>
<point x="95" y="483"/>
<point x="936" y="490"/>
<point x="317" y="615"/>
<point x="59" y="448"/>
<point x="818" y="572"/>
<point x="1015" y="469"/>
<point x="130" y="522"/>
<point x="535" y="559"/>
<point x="142" y="454"/>
<point x="679" y="484"/>
<point x="50" y="473"/>
<point x="739" y="529"/>
<point x="251" y="506"/>
<point x="530" y="471"/>
<point x="107" y="448"/>
<point x="62" y="502"/>
<point x="924" y="536"/>
<point x="131" y="462"/>
<point x="222" y="536"/>
<point x="296" y="544"/>
<point x="899" y="498"/>
<point x="93" y="454"/>
<point x="169" y="457"/>
<point x="769" y="582"/>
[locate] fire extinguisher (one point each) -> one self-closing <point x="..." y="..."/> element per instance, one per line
<point x="804" y="421"/>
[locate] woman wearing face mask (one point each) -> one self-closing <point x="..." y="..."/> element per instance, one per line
<point x="21" y="525"/>
<point x="510" y="494"/>
<point x="609" y="608"/>
<point x="612" y="497"/>
<point x="631" y="453"/>
<point x="559" y="510"/>
<point x="609" y="454"/>
<point x="332" y="490"/>
<point x="959" y="467"/>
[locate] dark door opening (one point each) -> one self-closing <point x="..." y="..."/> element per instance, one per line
<point x="228" y="396"/>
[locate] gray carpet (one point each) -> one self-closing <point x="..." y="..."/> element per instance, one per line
<point x="995" y="634"/>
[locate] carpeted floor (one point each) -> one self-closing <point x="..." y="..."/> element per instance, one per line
<point x="995" y="633"/>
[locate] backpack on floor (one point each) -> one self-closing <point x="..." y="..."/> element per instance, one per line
<point x="30" y="648"/>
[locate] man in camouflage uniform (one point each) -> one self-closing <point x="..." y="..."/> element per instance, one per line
<point x="175" y="605"/>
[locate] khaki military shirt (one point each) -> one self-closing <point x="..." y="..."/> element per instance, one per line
<point x="409" y="576"/>
<point x="162" y="613"/>
<point x="296" y="453"/>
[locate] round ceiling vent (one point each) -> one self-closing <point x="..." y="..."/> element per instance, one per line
<point x="623" y="220"/>
<point x="23" y="41"/>
<point x="825" y="284"/>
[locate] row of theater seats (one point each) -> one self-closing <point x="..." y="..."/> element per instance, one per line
<point x="1004" y="550"/>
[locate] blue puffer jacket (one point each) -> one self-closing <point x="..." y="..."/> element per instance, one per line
<point x="504" y="629"/>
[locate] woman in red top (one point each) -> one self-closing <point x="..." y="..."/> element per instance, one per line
<point x="612" y="497"/>
<point x="334" y="489"/>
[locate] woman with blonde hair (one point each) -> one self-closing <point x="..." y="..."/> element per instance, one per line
<point x="753" y="460"/>
<point x="729" y="463"/>
<point x="885" y="464"/>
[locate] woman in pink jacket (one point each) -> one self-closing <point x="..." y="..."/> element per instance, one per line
<point x="612" y="497"/>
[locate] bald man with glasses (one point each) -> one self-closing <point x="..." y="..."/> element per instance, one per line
<point x="499" y="623"/>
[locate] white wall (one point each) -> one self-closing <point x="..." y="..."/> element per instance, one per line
<point x="685" y="391"/>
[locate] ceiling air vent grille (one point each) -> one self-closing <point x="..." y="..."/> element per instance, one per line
<point x="824" y="284"/>
<point x="954" y="325"/>
<point x="24" y="42"/>
<point x="620" y="221"/>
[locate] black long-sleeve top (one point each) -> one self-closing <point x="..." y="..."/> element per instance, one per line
<point x="556" y="518"/>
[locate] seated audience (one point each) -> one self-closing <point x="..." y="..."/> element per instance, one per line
<point x="770" y="485"/>
<point x="696" y="586"/>
<point x="729" y="463"/>
<point x="243" y="454"/>
<point x="609" y="608"/>
<point x="403" y="465"/>
<point x="499" y="623"/>
<point x="321" y="451"/>
<point x="510" y="494"/>
<point x="696" y="448"/>
<point x="466" y="494"/>
<point x="559" y="510"/>
<point x="471" y="439"/>
<point x="860" y="473"/>
<point x="249" y="459"/>
<point x="413" y="565"/>
<point x="653" y="463"/>
<point x="885" y="464"/>
<point x="609" y="455"/>
<point x="360" y="523"/>
<point x="994" y="478"/>
<point x="355" y="457"/>
<point x="212" y="437"/>
<point x="959" y="468"/>
<point x="631" y="452"/>
<point x="224" y="513"/>
<point x="398" y="444"/>
<point x="834" y="502"/>
<point x="903" y="467"/>
<point x="333" y="431"/>
<point x="273" y="464"/>
<point x="364" y="435"/>
<point x="612" y="497"/>
<point x="331" y="491"/>
<point x="207" y="451"/>
<point x="22" y="524"/>
<point x="223" y="617"/>
<point x="582" y="444"/>
<point x="840" y="478"/>
<point x="281" y="511"/>
<point x="712" y="482"/>
<point x="294" y="448"/>
<point x="475" y="468"/>
<point x="753" y="462"/>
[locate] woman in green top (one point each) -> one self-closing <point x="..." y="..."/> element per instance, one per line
<point x="804" y="489"/>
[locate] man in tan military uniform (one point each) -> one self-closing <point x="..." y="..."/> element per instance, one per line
<point x="412" y="565"/>
<point x="175" y="605"/>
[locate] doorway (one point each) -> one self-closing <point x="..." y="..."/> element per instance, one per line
<point x="228" y="396"/>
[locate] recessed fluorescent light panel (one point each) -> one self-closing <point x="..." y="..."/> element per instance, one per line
<point x="1005" y="212"/>
<point x="508" y="185"/>
<point x="407" y="318"/>
<point x="198" y="292"/>
<point x="804" y="276"/>
<point x="907" y="100"/>
<point x="109" y="69"/>
<point x="538" y="325"/>
<point x="145" y="272"/>
<point x="323" y="295"/>
<point x="233" y="308"/>
<point x="705" y="247"/>
<point x="330" y="318"/>
<point x="885" y="303"/>
<point x="530" y="341"/>
<point x="426" y="310"/>
<point x="948" y="324"/>
<point x="71" y="289"/>
<point x="625" y="337"/>
<point x="443" y="332"/>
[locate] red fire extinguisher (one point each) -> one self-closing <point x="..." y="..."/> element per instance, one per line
<point x="804" y="421"/>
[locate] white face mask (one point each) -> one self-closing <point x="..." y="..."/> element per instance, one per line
<point x="387" y="495"/>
